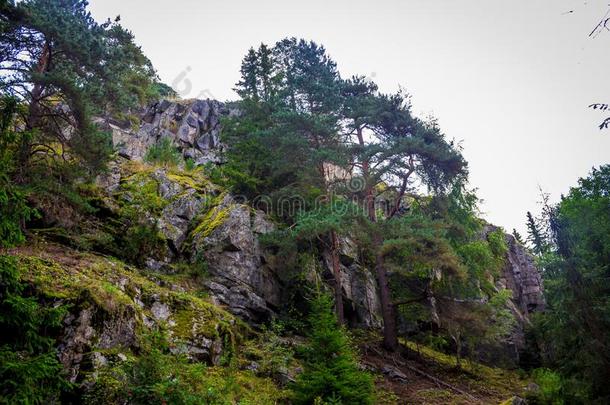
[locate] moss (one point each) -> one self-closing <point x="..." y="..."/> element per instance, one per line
<point x="500" y="383"/>
<point x="193" y="179"/>
<point x="112" y="285"/>
<point x="140" y="192"/>
<point x="435" y="394"/>
<point x="212" y="220"/>
<point x="167" y="379"/>
<point x="193" y="322"/>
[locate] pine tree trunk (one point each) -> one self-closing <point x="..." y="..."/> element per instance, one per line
<point x="458" y="345"/>
<point x="390" y="335"/>
<point x="337" y="276"/>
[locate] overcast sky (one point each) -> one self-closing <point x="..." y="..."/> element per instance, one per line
<point x="511" y="79"/>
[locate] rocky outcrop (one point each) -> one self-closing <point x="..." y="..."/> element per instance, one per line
<point x="359" y="287"/>
<point x="202" y="223"/>
<point x="227" y="238"/>
<point x="193" y="126"/>
<point x="522" y="277"/>
<point x="113" y="307"/>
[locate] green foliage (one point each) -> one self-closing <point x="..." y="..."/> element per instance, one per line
<point x="331" y="373"/>
<point x="14" y="210"/>
<point x="29" y="370"/>
<point x="142" y="240"/>
<point x="156" y="376"/>
<point x="574" y="331"/>
<point x="189" y="165"/>
<point x="270" y="351"/>
<point x="62" y="68"/>
<point x="163" y="153"/>
<point x="549" y="390"/>
<point x="535" y="235"/>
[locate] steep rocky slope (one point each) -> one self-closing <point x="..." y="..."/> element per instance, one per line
<point x="203" y="274"/>
<point x="244" y="276"/>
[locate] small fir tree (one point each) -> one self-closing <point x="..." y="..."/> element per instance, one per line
<point x="330" y="364"/>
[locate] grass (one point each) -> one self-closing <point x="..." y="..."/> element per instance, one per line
<point x="478" y="378"/>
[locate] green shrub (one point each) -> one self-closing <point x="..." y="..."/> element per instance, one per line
<point x="13" y="205"/>
<point x="163" y="153"/>
<point x="549" y="387"/>
<point x="142" y="241"/>
<point x="158" y="377"/>
<point x="189" y="165"/>
<point x="270" y="352"/>
<point x="29" y="370"/>
<point x="331" y="374"/>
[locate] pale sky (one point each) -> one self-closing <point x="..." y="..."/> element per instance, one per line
<point x="511" y="79"/>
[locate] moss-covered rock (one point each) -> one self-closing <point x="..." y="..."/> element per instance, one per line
<point x="113" y="305"/>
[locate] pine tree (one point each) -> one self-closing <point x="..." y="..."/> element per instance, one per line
<point x="402" y="148"/>
<point x="535" y="236"/>
<point x="575" y="328"/>
<point x="247" y="87"/>
<point x="330" y="363"/>
<point x="64" y="67"/>
<point x="518" y="236"/>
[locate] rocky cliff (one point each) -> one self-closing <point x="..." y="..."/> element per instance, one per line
<point x="198" y="267"/>
<point x="199" y="220"/>
<point x="193" y="126"/>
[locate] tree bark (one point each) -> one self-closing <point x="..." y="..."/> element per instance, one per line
<point x="390" y="334"/>
<point x="334" y="251"/>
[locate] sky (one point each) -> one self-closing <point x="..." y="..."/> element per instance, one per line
<point x="510" y="80"/>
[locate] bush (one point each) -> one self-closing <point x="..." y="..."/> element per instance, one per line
<point x="163" y="153"/>
<point x="142" y="241"/>
<point x="550" y="388"/>
<point x="158" y="377"/>
<point x="331" y="374"/>
<point x="13" y="205"/>
<point x="29" y="370"/>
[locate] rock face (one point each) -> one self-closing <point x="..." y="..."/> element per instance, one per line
<point x="202" y="223"/>
<point x="112" y="306"/>
<point x="360" y="296"/>
<point x="240" y="277"/>
<point x="522" y="277"/>
<point x="199" y="222"/>
<point x="192" y="126"/>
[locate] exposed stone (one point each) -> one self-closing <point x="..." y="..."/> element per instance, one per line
<point x="160" y="311"/>
<point x="176" y="217"/>
<point x="522" y="277"/>
<point x="360" y="295"/>
<point x="232" y="252"/>
<point x="394" y="373"/>
<point x="191" y="126"/>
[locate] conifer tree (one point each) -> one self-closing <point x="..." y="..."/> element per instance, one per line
<point x="331" y="370"/>
<point x="65" y="67"/>
<point x="400" y="149"/>
<point x="535" y="236"/>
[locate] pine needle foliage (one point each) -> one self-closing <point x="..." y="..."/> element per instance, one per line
<point x="331" y="373"/>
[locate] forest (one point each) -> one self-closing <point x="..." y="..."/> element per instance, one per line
<point x="311" y="242"/>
